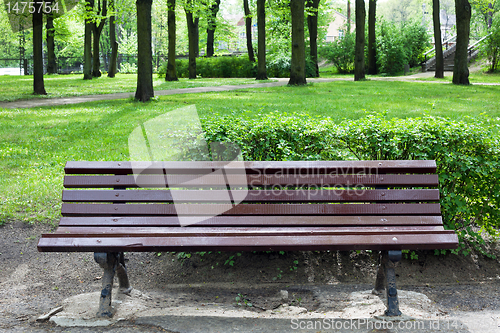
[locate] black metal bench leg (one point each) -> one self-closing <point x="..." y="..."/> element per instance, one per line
<point x="121" y="272"/>
<point x="108" y="261"/>
<point x="390" y="259"/>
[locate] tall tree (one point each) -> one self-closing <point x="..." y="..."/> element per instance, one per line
<point x="439" y="73"/>
<point x="97" y="26"/>
<point x="359" y="55"/>
<point x="248" y="29"/>
<point x="171" y="67"/>
<point x="460" y="67"/>
<point x="312" y="24"/>
<point x="211" y="25"/>
<point x="298" y="63"/>
<point x="372" y="47"/>
<point x="87" y="45"/>
<point x="144" y="90"/>
<point x="50" y="32"/>
<point x="192" y="25"/>
<point x="112" y="40"/>
<point x="261" y="32"/>
<point x="38" y="84"/>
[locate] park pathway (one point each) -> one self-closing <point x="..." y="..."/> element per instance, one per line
<point x="37" y="102"/>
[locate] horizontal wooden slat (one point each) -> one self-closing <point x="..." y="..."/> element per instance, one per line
<point x="77" y="232"/>
<point x="266" y="221"/>
<point x="69" y="209"/>
<point x="340" y="167"/>
<point x="252" y="181"/>
<point x="442" y="240"/>
<point x="319" y="195"/>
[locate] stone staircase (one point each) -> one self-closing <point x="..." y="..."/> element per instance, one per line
<point x="449" y="60"/>
<point x="449" y="57"/>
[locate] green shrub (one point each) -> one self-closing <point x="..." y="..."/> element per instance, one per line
<point x="490" y="48"/>
<point x="416" y="42"/>
<point x="391" y="55"/>
<point x="278" y="65"/>
<point x="126" y="68"/>
<point x="467" y="154"/>
<point x="398" y="46"/>
<point x="340" y="53"/>
<point x="223" y="67"/>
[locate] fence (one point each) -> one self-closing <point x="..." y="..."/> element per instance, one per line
<point x="68" y="65"/>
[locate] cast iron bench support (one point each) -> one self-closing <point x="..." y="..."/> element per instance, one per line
<point x="111" y="263"/>
<point x="386" y="280"/>
<point x="383" y="206"/>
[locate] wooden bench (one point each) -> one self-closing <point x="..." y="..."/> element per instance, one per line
<point x="291" y="206"/>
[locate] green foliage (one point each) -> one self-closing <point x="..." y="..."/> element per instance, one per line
<point x="220" y="67"/>
<point x="340" y="53"/>
<point x="412" y="255"/>
<point x="391" y="56"/>
<point x="416" y="42"/>
<point x="126" y="68"/>
<point x="278" y="65"/>
<point x="467" y="154"/>
<point x="242" y="301"/>
<point x="490" y="49"/>
<point x="398" y="46"/>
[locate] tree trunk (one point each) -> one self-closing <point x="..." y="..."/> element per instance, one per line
<point x="38" y="84"/>
<point x="439" y="73"/>
<point x="196" y="28"/>
<point x="87" y="47"/>
<point x="460" y="68"/>
<point x="51" y="55"/>
<point x="298" y="62"/>
<point x="312" y="24"/>
<point x="490" y="15"/>
<point x="248" y="27"/>
<point x="144" y="90"/>
<point x="372" y="46"/>
<point x="212" y="24"/>
<point x="171" y="74"/>
<point x="97" y="29"/>
<point x="112" y="41"/>
<point x="192" y="40"/>
<point x="261" y="32"/>
<point x="359" y="56"/>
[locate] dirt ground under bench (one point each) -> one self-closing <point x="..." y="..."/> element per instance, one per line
<point x="279" y="287"/>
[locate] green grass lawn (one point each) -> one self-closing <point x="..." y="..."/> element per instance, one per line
<point x="474" y="77"/>
<point x="21" y="87"/>
<point x="36" y="143"/>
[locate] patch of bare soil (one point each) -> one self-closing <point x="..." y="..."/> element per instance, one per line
<point x="32" y="283"/>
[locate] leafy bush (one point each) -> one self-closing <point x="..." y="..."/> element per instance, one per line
<point x="391" y="55"/>
<point x="467" y="154"/>
<point x="126" y="68"/>
<point x="278" y="65"/>
<point x="238" y="66"/>
<point x="340" y="53"/>
<point x="490" y="49"/>
<point x="416" y="42"/>
<point x="398" y="46"/>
